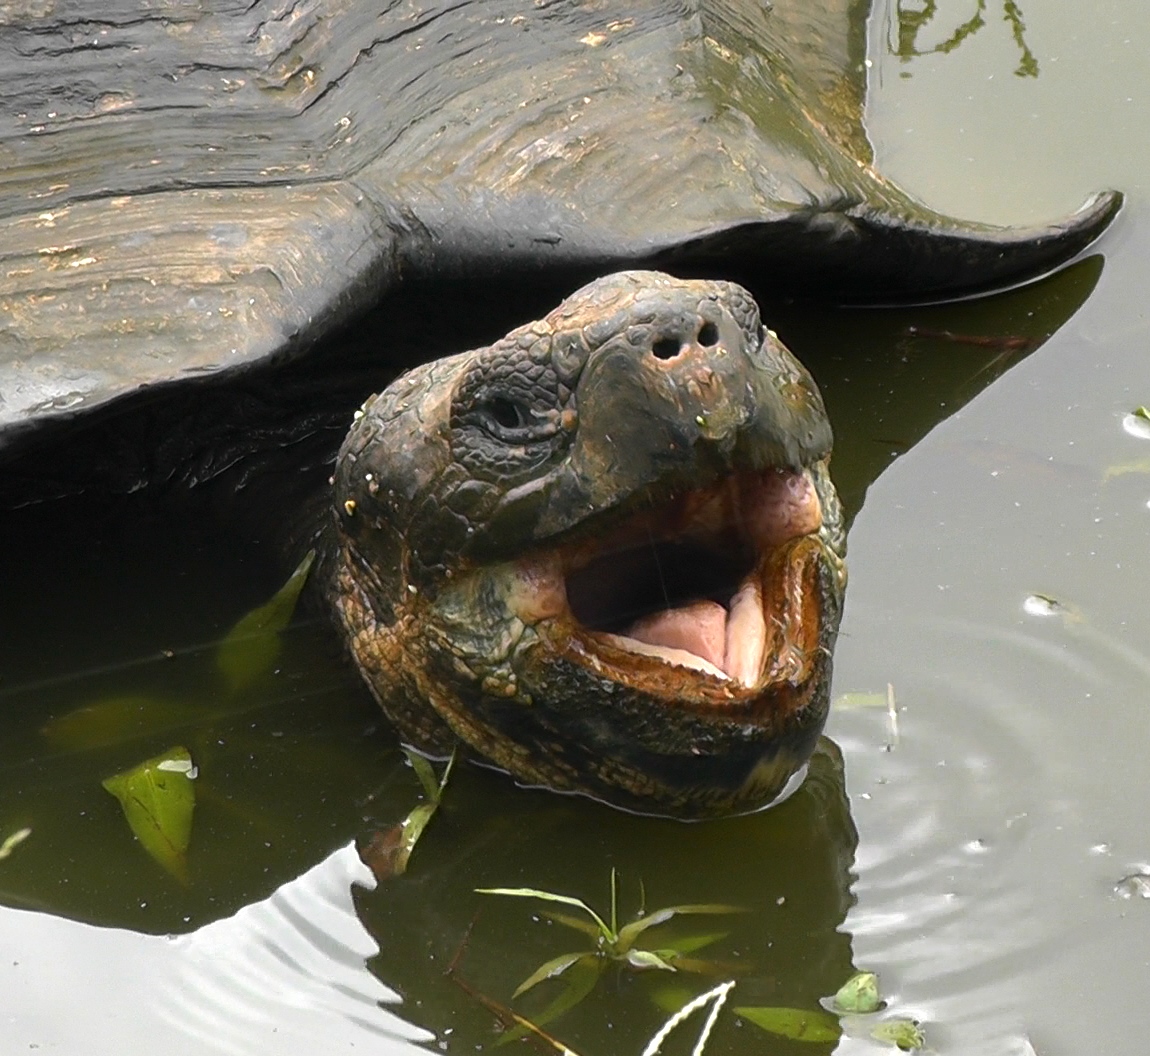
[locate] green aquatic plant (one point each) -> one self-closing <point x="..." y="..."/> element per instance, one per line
<point x="851" y="1011"/>
<point x="251" y="648"/>
<point x="858" y="995"/>
<point x="904" y="1034"/>
<point x="158" y="799"/>
<point x="387" y="853"/>
<point x="626" y="946"/>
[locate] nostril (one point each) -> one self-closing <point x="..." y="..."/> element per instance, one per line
<point x="708" y="335"/>
<point x="666" y="348"/>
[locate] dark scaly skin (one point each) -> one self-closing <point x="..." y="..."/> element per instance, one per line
<point x="469" y="470"/>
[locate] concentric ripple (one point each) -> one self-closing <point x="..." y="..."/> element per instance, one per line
<point x="988" y="839"/>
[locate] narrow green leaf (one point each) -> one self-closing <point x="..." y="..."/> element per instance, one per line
<point x="579" y="980"/>
<point x="425" y="773"/>
<point x="549" y="896"/>
<point x="585" y="927"/>
<point x="251" y="647"/>
<point x="859" y="995"/>
<point x="550" y="970"/>
<point x="906" y="1034"/>
<point x="158" y="798"/>
<point x="387" y="853"/>
<point x="630" y="932"/>
<point x="647" y="959"/>
<point x="690" y="943"/>
<point x="116" y="720"/>
<point x="413" y="826"/>
<point x="12" y="842"/>
<point x="796" y="1023"/>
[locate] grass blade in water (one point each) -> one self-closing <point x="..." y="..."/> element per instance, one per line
<point x="548" y="896"/>
<point x="551" y="969"/>
<point x="630" y="932"/>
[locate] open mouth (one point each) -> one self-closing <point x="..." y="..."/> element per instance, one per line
<point x="712" y="597"/>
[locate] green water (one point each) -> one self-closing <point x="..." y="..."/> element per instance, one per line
<point x="969" y="854"/>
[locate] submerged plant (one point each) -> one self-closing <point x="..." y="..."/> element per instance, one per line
<point x="627" y="946"/>
<point x="387" y="853"/>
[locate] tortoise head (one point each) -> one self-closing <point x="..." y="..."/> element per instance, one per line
<point x="603" y="552"/>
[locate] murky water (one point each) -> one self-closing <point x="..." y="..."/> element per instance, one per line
<point x="996" y="789"/>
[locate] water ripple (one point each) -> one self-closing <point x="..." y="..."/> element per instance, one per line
<point x="978" y="859"/>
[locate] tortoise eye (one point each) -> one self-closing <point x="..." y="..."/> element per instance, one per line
<point x="506" y="413"/>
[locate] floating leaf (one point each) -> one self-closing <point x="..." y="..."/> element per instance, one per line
<point x="904" y="1033"/>
<point x="252" y="646"/>
<point x="548" y="896"/>
<point x="630" y="932"/>
<point x="551" y="969"/>
<point x="158" y="798"/>
<point x="796" y="1023"/>
<point x="12" y="842"/>
<point x="859" y="995"/>
<point x="116" y="720"/>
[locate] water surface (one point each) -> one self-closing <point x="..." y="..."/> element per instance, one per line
<point x="967" y="848"/>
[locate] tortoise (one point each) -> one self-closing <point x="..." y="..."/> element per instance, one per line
<point x="194" y="190"/>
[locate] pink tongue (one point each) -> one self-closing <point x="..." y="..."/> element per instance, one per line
<point x="699" y="628"/>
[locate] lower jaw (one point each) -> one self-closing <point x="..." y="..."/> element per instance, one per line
<point x="634" y="754"/>
<point x="650" y="737"/>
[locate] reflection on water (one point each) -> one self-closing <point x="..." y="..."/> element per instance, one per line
<point x="914" y="22"/>
<point x="284" y="975"/>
